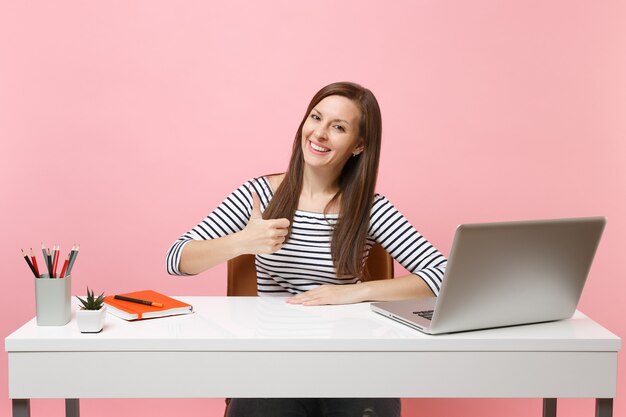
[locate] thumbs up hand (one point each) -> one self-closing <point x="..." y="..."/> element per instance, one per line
<point x="260" y="235"/>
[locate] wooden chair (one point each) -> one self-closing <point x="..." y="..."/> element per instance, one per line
<point x="241" y="273"/>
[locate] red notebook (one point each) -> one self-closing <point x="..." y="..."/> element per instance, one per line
<point x="134" y="311"/>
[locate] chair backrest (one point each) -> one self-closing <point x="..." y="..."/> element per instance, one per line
<point x="242" y="271"/>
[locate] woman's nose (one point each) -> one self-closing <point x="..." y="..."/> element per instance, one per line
<point x="320" y="132"/>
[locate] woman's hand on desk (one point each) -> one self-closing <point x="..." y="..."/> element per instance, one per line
<point x="330" y="294"/>
<point x="409" y="286"/>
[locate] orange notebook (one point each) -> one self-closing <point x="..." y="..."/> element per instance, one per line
<point x="134" y="311"/>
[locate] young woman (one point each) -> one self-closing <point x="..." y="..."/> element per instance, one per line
<point x="311" y="229"/>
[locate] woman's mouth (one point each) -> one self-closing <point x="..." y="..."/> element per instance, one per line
<point x="317" y="148"/>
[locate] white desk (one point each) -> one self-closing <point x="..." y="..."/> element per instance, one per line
<point x="346" y="351"/>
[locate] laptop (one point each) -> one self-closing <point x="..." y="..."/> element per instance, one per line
<point x="506" y="274"/>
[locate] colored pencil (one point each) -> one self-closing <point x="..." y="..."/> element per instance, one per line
<point x="49" y="263"/>
<point x="67" y="261"/>
<point x="34" y="259"/>
<point x="138" y="301"/>
<point x="30" y="264"/>
<point x="43" y="251"/>
<point x="73" y="256"/>
<point x="46" y="258"/>
<point x="55" y="262"/>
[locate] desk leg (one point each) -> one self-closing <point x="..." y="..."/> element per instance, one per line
<point x="71" y="407"/>
<point x="604" y="407"/>
<point x="549" y="407"/>
<point x="21" y="407"/>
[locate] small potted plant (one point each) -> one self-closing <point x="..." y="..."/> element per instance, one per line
<point x="90" y="316"/>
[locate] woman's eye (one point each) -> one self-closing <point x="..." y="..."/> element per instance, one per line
<point x="315" y="117"/>
<point x="340" y="128"/>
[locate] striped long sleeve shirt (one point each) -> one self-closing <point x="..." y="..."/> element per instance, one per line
<point x="304" y="261"/>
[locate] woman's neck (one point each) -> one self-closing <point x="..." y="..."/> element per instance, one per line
<point x="316" y="184"/>
<point x="317" y="191"/>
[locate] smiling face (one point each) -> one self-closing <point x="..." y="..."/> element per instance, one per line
<point x="330" y="134"/>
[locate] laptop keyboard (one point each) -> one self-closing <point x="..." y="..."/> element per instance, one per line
<point x="428" y="314"/>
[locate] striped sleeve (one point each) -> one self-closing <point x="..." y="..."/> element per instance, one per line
<point x="231" y="216"/>
<point x="405" y="244"/>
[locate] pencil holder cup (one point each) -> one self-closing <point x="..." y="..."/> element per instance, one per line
<point x="52" y="299"/>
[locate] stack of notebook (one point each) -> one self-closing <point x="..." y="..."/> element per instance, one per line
<point x="145" y="305"/>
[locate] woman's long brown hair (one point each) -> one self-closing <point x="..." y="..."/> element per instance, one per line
<point x="357" y="181"/>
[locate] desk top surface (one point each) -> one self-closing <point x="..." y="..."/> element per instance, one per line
<point x="270" y="324"/>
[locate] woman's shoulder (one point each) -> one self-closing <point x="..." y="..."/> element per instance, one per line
<point x="264" y="186"/>
<point x="380" y="205"/>
<point x="274" y="180"/>
<point x="378" y="199"/>
<point x="267" y="182"/>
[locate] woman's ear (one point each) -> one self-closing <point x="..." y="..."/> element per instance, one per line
<point x="358" y="149"/>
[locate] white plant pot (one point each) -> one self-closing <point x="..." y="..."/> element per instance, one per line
<point x="90" y="321"/>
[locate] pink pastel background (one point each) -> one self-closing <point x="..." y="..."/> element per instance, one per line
<point x="122" y="123"/>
